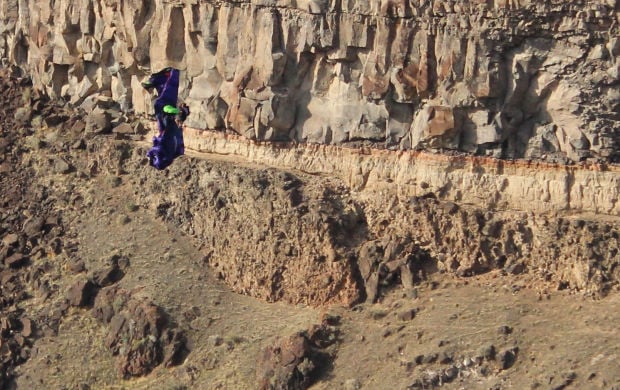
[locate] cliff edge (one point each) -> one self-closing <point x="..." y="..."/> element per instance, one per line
<point x="507" y="79"/>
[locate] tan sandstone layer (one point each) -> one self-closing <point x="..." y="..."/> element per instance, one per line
<point x="487" y="183"/>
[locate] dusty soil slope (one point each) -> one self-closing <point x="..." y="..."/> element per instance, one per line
<point x="82" y="222"/>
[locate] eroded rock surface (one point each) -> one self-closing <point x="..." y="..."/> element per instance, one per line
<point x="337" y="245"/>
<point x="265" y="232"/>
<point x="140" y="333"/>
<point x="298" y="360"/>
<point x="378" y="231"/>
<point x="508" y="79"/>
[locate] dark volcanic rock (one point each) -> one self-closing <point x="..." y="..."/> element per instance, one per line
<point x="98" y="122"/>
<point x="296" y="361"/>
<point x="407" y="315"/>
<point x="279" y="366"/>
<point x="77" y="266"/>
<point x="140" y="332"/>
<point x="108" y="301"/>
<point x="16" y="260"/>
<point x="33" y="226"/>
<point x="112" y="272"/>
<point x="54" y="119"/>
<point x="507" y="358"/>
<point x="107" y="276"/>
<point x="81" y="293"/>
<point x="505" y="329"/>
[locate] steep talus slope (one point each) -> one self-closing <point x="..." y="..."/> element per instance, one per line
<point x="265" y="232"/>
<point x="43" y="276"/>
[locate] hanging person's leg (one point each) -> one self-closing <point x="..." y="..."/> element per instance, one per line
<point x="169" y="93"/>
<point x="167" y="97"/>
<point x="169" y="144"/>
<point x="157" y="80"/>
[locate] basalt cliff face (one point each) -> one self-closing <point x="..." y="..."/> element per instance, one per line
<point x="501" y="78"/>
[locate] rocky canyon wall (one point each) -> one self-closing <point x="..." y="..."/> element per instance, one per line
<point x="501" y="78"/>
<point x="301" y="238"/>
<point x="345" y="95"/>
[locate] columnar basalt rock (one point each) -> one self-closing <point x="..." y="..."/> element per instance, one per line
<point x="509" y="79"/>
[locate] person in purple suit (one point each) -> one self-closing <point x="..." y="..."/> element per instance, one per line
<point x="168" y="145"/>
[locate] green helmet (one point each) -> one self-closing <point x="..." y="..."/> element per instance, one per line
<point x="172" y="110"/>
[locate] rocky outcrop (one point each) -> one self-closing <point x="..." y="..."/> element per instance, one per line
<point x="297" y="361"/>
<point x="266" y="232"/>
<point x="32" y="235"/>
<point x="140" y="333"/>
<point x="510" y="79"/>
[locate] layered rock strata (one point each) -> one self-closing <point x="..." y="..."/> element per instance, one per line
<point x="501" y="78"/>
<point x="535" y="80"/>
<point x="488" y="183"/>
<point x="317" y="237"/>
<point x="309" y="239"/>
